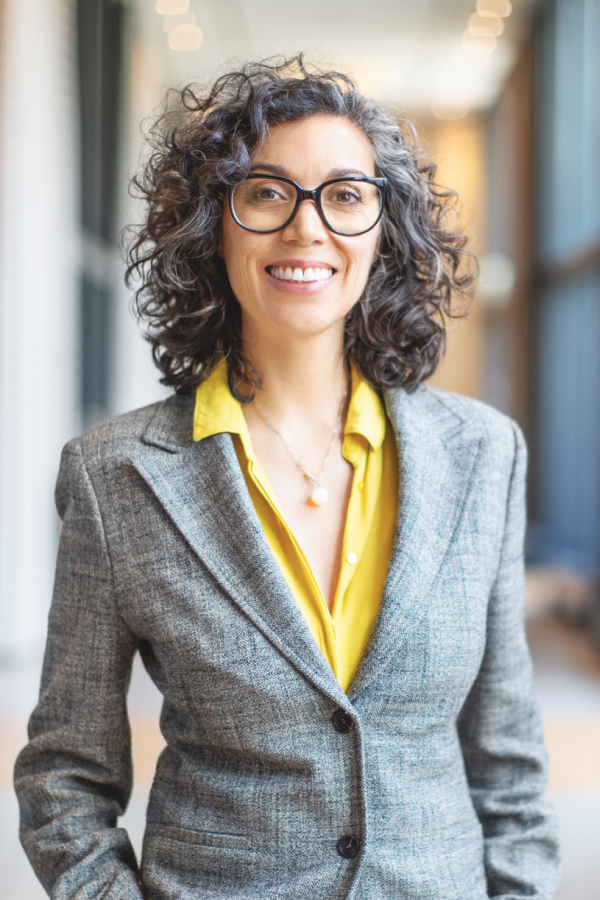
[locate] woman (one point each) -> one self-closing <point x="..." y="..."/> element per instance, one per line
<point x="319" y="560"/>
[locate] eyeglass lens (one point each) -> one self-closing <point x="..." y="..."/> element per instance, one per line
<point x="349" y="207"/>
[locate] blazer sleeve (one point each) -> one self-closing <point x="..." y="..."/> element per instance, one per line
<point x="501" y="732"/>
<point x="74" y="777"/>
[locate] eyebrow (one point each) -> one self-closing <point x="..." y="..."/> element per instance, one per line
<point x="279" y="170"/>
<point x="269" y="167"/>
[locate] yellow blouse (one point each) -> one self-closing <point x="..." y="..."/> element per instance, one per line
<point x="369" y="445"/>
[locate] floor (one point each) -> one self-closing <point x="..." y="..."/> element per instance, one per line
<point x="567" y="681"/>
<point x="567" y="677"/>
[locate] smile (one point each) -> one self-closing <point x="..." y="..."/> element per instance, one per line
<point x="286" y="273"/>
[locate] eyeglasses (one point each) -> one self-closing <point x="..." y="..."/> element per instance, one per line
<point x="347" y="206"/>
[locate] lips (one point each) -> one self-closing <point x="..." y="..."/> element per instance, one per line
<point x="300" y="274"/>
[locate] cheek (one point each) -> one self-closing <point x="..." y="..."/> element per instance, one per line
<point x="364" y="259"/>
<point x="233" y="245"/>
<point x="374" y="246"/>
<point x="226" y="245"/>
<point x="238" y="257"/>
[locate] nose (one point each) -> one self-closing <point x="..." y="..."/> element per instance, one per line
<point x="306" y="227"/>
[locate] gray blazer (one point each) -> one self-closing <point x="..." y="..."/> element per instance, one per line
<point x="425" y="782"/>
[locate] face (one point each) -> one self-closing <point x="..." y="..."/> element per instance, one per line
<point x="309" y="152"/>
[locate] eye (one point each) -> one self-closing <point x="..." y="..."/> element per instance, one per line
<point x="347" y="196"/>
<point x="266" y="193"/>
<point x="262" y="192"/>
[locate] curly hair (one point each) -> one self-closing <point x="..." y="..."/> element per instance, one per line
<point x="201" y="145"/>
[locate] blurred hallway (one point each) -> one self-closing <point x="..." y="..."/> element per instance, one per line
<point x="510" y="115"/>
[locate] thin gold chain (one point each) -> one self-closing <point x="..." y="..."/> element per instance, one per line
<point x="299" y="462"/>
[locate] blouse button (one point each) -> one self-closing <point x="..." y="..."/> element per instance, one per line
<point x="352" y="558"/>
<point x="360" y="486"/>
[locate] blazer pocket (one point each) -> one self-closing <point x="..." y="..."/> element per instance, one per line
<point x="199" y="838"/>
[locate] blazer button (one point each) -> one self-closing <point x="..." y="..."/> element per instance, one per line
<point x="348" y="846"/>
<point x="342" y="722"/>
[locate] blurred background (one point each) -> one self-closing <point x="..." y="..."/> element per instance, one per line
<point x="506" y="99"/>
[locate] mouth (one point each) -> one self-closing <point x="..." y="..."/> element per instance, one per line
<point x="300" y="274"/>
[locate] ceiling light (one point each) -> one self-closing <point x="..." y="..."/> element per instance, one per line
<point x="185" y="37"/>
<point x="170" y="23"/>
<point x="501" y="8"/>
<point x="172" y="7"/>
<point x="482" y="44"/>
<point x="492" y="23"/>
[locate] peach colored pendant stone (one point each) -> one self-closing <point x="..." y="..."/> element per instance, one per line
<point x="319" y="496"/>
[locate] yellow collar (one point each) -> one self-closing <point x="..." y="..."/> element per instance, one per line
<point x="217" y="411"/>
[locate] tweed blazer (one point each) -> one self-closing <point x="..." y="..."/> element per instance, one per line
<point x="424" y="782"/>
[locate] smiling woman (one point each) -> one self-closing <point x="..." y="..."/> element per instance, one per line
<point x="204" y="149"/>
<point x="319" y="560"/>
<point x="286" y="228"/>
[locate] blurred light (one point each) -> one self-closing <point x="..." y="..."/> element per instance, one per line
<point x="185" y="37"/>
<point x="493" y="24"/>
<point x="170" y="23"/>
<point x="449" y="110"/>
<point x="466" y="60"/>
<point x="496" y="280"/>
<point x="480" y="31"/>
<point x="172" y="7"/>
<point x="483" y="44"/>
<point x="501" y="8"/>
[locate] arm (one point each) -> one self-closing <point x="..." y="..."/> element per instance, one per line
<point x="501" y="732"/>
<point x="74" y="777"/>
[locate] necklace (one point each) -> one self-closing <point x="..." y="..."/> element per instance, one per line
<point x="319" y="496"/>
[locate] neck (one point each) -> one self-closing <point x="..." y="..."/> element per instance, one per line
<point x="300" y="378"/>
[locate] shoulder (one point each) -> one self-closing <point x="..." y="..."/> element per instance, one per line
<point x="450" y="417"/>
<point x="475" y="415"/>
<point x="167" y="424"/>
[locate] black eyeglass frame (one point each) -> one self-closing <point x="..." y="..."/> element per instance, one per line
<point x="315" y="196"/>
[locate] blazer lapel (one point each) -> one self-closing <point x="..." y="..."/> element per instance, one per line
<point x="202" y="488"/>
<point x="437" y="455"/>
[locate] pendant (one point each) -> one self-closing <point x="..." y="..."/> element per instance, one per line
<point x="319" y="496"/>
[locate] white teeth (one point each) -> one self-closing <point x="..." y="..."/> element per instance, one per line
<point x="288" y="274"/>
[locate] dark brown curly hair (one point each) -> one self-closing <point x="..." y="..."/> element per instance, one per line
<point x="201" y="145"/>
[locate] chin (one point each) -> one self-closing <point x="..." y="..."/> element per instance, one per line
<point x="307" y="318"/>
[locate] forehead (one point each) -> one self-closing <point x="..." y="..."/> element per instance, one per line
<point x="316" y="146"/>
